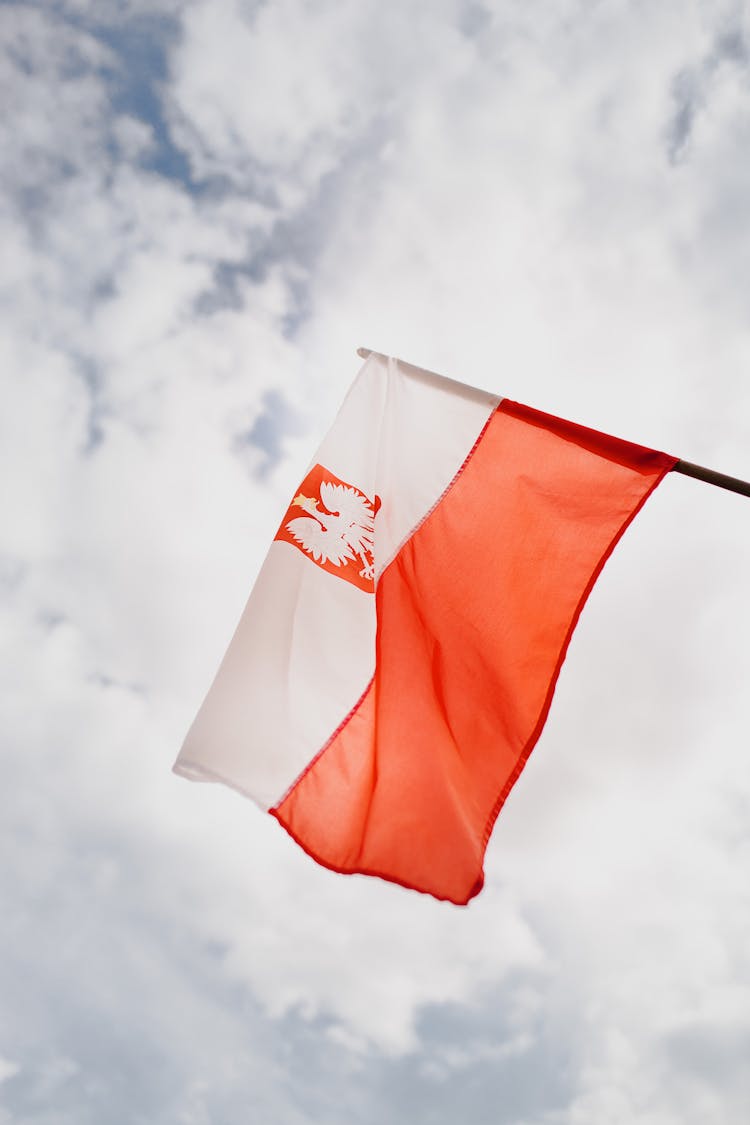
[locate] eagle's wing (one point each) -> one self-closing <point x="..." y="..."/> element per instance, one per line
<point x="318" y="542"/>
<point x="355" y="512"/>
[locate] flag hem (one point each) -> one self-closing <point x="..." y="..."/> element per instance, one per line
<point x="426" y="515"/>
<point x="191" y="771"/>
<point x="324" y="747"/>
<point x="371" y="872"/>
<point x="544" y="713"/>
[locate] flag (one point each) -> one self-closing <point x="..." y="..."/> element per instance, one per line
<point x="396" y="659"/>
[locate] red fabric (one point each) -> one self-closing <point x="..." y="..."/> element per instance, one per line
<point x="474" y="617"/>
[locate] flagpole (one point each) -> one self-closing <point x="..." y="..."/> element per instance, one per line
<point x="687" y="468"/>
<point x="710" y="476"/>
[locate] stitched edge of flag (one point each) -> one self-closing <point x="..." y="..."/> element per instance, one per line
<point x="313" y="761"/>
<point x="195" y="771"/>
<point x="371" y="873"/>
<point x="426" y="515"/>
<point x="670" y="462"/>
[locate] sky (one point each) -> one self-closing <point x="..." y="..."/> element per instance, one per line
<point x="206" y="206"/>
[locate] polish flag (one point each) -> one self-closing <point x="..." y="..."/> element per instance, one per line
<point x="397" y="657"/>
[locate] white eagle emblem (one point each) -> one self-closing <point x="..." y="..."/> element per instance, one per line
<point x="340" y="534"/>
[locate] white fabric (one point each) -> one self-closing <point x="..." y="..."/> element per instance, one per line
<point x="304" y="650"/>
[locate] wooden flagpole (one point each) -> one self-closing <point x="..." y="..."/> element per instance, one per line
<point x="710" y="476"/>
<point x="687" y="468"/>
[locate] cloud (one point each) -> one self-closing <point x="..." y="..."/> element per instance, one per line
<point x="268" y="430"/>
<point x="695" y="86"/>
<point x="206" y="208"/>
<point x="8" y="1069"/>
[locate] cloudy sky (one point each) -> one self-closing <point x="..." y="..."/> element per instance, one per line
<point x="207" y="205"/>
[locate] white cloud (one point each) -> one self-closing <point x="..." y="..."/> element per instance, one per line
<point x="488" y="190"/>
<point x="8" y="1069"/>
